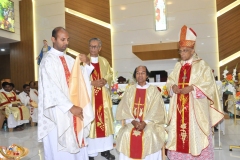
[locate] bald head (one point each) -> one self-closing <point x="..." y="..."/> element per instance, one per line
<point x="60" y="39"/>
<point x="56" y="30"/>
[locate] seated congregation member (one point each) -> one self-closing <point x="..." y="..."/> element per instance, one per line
<point x="33" y="92"/>
<point x="32" y="85"/>
<point x="11" y="106"/>
<point x="143" y="110"/>
<point x="2" y="81"/>
<point x="13" y="88"/>
<point x="28" y="101"/>
<point x="2" y="111"/>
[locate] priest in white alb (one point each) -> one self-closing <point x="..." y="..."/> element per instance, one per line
<point x="143" y="110"/>
<point x="33" y="92"/>
<point x="28" y="101"/>
<point x="65" y="111"/>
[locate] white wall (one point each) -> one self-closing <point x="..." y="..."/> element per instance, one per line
<point x="135" y="25"/>
<point x="48" y="15"/>
<point x="13" y="37"/>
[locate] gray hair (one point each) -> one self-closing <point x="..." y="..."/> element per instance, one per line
<point x="96" y="39"/>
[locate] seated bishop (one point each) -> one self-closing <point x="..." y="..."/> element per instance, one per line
<point x="28" y="101"/>
<point x="143" y="110"/>
<point x="10" y="105"/>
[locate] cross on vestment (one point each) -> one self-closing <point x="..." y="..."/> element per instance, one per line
<point x="138" y="107"/>
<point x="183" y="101"/>
<point x="184" y="78"/>
<point x="182" y="98"/>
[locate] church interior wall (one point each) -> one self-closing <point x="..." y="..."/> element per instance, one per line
<point x="229" y="37"/>
<point x="48" y="15"/>
<point x="133" y="24"/>
<point x="21" y="53"/>
<point x="5" y="66"/>
<point x="81" y="28"/>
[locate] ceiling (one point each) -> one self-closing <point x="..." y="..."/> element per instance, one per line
<point x="5" y="44"/>
<point x="156" y="51"/>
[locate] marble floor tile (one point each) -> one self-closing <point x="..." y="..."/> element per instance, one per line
<point x="28" y="139"/>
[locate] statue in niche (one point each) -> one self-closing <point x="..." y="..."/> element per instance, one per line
<point x="44" y="50"/>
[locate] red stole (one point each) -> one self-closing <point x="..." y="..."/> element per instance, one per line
<point x="36" y="93"/>
<point x="13" y="99"/>
<point x="67" y="75"/>
<point x="136" y="141"/>
<point x="99" y="108"/>
<point x="31" y="108"/>
<point x="183" y="111"/>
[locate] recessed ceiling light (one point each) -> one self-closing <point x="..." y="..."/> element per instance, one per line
<point x="123" y="8"/>
<point x="88" y="18"/>
<point x="2" y="49"/>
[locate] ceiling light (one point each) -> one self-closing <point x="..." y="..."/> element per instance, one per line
<point x="228" y="8"/>
<point x="2" y="49"/>
<point x="123" y="8"/>
<point x="88" y="18"/>
<point x="229" y="59"/>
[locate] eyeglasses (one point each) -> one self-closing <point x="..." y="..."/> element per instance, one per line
<point x="93" y="47"/>
<point x="183" y="51"/>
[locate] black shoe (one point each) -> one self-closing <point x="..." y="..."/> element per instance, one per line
<point x="108" y="155"/>
<point x="91" y="158"/>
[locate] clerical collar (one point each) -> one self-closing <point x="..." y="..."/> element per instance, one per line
<point x="94" y="59"/>
<point x="143" y="87"/>
<point x="188" y="61"/>
<point x="6" y="91"/>
<point x="56" y="52"/>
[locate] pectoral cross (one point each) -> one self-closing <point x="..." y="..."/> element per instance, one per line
<point x="184" y="78"/>
<point x="138" y="106"/>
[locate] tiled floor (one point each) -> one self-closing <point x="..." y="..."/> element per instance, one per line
<point x="28" y="139"/>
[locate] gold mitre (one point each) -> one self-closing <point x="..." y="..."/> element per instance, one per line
<point x="187" y="37"/>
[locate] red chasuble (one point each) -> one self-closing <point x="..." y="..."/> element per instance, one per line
<point x="183" y="111"/>
<point x="13" y="99"/>
<point x="99" y="108"/>
<point x="67" y="75"/>
<point x="136" y="141"/>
